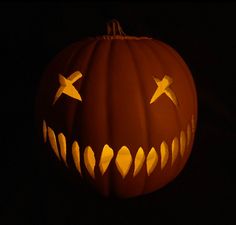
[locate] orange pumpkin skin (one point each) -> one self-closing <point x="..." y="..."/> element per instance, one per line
<point x="116" y="88"/>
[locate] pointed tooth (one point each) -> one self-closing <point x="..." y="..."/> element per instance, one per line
<point x="164" y="154"/>
<point x="175" y="149"/>
<point x="188" y="134"/>
<point x="89" y="160"/>
<point x="151" y="161"/>
<point x="44" y="131"/>
<point x="76" y="155"/>
<point x="193" y="123"/>
<point x="106" y="157"/>
<point x="53" y="141"/>
<point x="62" y="144"/>
<point x="182" y="143"/>
<point x="138" y="162"/>
<point x="123" y="161"/>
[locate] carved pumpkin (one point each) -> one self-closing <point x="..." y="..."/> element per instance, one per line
<point x="120" y="109"/>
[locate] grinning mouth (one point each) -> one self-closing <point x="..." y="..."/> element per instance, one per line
<point x="123" y="158"/>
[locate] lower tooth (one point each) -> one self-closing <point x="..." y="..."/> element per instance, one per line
<point x="175" y="149"/>
<point x="53" y="142"/>
<point x="62" y="144"/>
<point x="89" y="160"/>
<point x="164" y="154"/>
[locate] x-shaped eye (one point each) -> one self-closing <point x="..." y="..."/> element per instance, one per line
<point x="163" y="88"/>
<point x="67" y="87"/>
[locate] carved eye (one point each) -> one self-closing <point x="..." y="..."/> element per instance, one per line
<point x="163" y="88"/>
<point x="67" y="87"/>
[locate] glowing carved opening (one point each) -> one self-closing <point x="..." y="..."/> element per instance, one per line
<point x="62" y="144"/>
<point x="175" y="149"/>
<point x="66" y="86"/>
<point x="151" y="161"/>
<point x="89" y="160"/>
<point x="123" y="161"/>
<point x="182" y="143"/>
<point x="138" y="162"/>
<point x="193" y="126"/>
<point x="188" y="134"/>
<point x="106" y="156"/>
<point x="44" y="131"/>
<point x="164" y="154"/>
<point x="53" y="141"/>
<point x="76" y="155"/>
<point x="163" y="88"/>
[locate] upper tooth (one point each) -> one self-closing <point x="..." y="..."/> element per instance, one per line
<point x="123" y="161"/>
<point x="89" y="160"/>
<point x="139" y="160"/>
<point x="193" y="124"/>
<point x="164" y="154"/>
<point x="106" y="156"/>
<point x="44" y="131"/>
<point x="188" y="134"/>
<point x="76" y="155"/>
<point x="151" y="161"/>
<point x="175" y="149"/>
<point x="182" y="143"/>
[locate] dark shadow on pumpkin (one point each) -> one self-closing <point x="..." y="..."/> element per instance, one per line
<point x="80" y="202"/>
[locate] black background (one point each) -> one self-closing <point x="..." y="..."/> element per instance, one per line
<point x="35" y="189"/>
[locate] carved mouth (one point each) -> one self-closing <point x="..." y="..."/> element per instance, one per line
<point x="123" y="158"/>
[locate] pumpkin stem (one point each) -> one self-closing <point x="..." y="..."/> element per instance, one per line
<point x="114" y="28"/>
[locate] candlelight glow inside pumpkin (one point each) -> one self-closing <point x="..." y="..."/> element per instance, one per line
<point x="121" y="110"/>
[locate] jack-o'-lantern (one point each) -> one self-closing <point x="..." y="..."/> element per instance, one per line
<point x="120" y="109"/>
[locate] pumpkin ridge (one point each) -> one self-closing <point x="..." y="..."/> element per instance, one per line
<point x="70" y="64"/>
<point x="74" y="56"/>
<point x="137" y="72"/>
<point x="155" y="53"/>
<point x="136" y="65"/>
<point x="74" y="128"/>
<point x="145" y="110"/>
<point x="111" y="177"/>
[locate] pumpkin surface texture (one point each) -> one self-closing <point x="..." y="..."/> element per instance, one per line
<point x="121" y="110"/>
